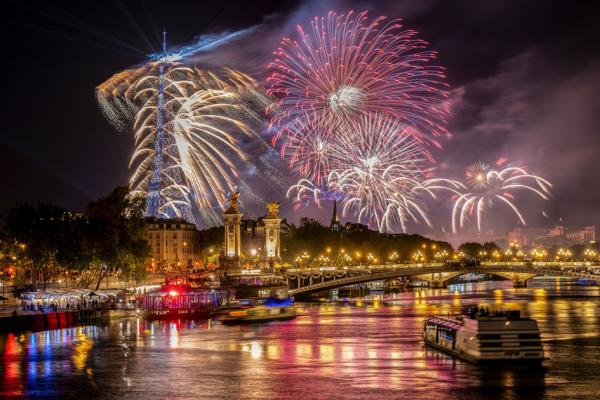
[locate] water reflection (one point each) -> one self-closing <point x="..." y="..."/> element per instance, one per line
<point x="369" y="347"/>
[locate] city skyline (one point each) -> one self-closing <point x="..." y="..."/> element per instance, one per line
<point x="492" y="115"/>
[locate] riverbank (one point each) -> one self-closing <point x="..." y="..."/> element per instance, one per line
<point x="35" y="322"/>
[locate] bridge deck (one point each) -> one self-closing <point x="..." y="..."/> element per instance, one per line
<point x="334" y="277"/>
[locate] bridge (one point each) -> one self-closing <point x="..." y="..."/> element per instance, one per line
<point x="305" y="281"/>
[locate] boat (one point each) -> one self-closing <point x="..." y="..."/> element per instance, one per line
<point x="176" y="301"/>
<point x="483" y="337"/>
<point x="270" y="310"/>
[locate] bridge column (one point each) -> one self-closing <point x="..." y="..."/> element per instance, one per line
<point x="437" y="284"/>
<point x="518" y="282"/>
<point x="518" y="279"/>
<point x="437" y="281"/>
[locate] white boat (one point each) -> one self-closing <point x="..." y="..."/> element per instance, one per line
<point x="486" y="337"/>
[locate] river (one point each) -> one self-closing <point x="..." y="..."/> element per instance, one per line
<point x="354" y="350"/>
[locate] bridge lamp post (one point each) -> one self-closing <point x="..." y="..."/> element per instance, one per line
<point x="563" y="254"/>
<point x="358" y="255"/>
<point x="539" y="254"/>
<point x="590" y="254"/>
<point x="342" y="257"/>
<point x="441" y="255"/>
<point x="418" y="256"/>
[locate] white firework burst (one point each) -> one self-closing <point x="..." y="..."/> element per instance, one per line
<point x="486" y="187"/>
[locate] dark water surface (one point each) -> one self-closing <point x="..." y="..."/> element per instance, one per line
<point x="372" y="350"/>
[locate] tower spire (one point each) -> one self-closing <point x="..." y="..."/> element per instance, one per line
<point x="335" y="221"/>
<point x="164" y="43"/>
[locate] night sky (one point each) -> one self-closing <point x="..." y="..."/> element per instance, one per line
<point x="524" y="78"/>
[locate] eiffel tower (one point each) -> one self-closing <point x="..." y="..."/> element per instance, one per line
<point x="165" y="199"/>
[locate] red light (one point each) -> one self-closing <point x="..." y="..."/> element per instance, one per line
<point x="173" y="293"/>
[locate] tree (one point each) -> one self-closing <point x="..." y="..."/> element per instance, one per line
<point x="39" y="231"/>
<point x="115" y="234"/>
<point x="491" y="248"/>
<point x="471" y="249"/>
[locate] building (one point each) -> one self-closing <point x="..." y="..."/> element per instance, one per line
<point x="175" y="244"/>
<point x="253" y="234"/>
<point x="335" y="221"/>
<point x="559" y="235"/>
<point x="355" y="227"/>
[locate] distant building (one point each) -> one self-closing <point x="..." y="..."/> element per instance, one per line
<point x="559" y="235"/>
<point x="174" y="243"/>
<point x="355" y="227"/>
<point x="253" y="234"/>
<point x="335" y="221"/>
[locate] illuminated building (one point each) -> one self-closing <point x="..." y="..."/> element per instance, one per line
<point x="559" y="235"/>
<point x="174" y="243"/>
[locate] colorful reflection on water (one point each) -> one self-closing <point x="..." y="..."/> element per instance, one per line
<point x="352" y="349"/>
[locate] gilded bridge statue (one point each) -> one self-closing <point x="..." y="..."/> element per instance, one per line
<point x="233" y="199"/>
<point x="273" y="208"/>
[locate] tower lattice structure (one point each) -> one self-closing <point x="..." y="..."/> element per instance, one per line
<point x="167" y="194"/>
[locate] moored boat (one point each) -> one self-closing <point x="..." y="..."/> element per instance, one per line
<point x="486" y="337"/>
<point x="173" y="301"/>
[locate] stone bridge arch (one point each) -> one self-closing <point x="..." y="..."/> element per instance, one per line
<point x="304" y="282"/>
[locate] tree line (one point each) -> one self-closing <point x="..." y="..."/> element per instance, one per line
<point x="46" y="242"/>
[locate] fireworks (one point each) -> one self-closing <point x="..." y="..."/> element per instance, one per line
<point x="312" y="148"/>
<point x="114" y="96"/>
<point x="486" y="186"/>
<point x="383" y="173"/>
<point x="346" y="66"/>
<point x="203" y="115"/>
<point x="379" y="171"/>
<point x="357" y="102"/>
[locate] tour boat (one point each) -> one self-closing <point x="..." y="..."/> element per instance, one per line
<point x="481" y="336"/>
<point x="173" y="301"/>
<point x="270" y="310"/>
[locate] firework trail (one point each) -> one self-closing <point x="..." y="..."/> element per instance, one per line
<point x="205" y="115"/>
<point x="346" y="66"/>
<point x="486" y="187"/>
<point x="115" y="96"/>
<point x="380" y="173"/>
<point x="357" y="103"/>
<point x="313" y="148"/>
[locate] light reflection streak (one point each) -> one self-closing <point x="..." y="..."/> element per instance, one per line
<point x="255" y="350"/>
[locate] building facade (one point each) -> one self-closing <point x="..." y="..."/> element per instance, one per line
<point x="175" y="244"/>
<point x="254" y="233"/>
<point x="559" y="235"/>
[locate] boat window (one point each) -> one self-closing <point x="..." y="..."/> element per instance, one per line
<point x="488" y="336"/>
<point x="529" y="335"/>
<point x="491" y="344"/>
